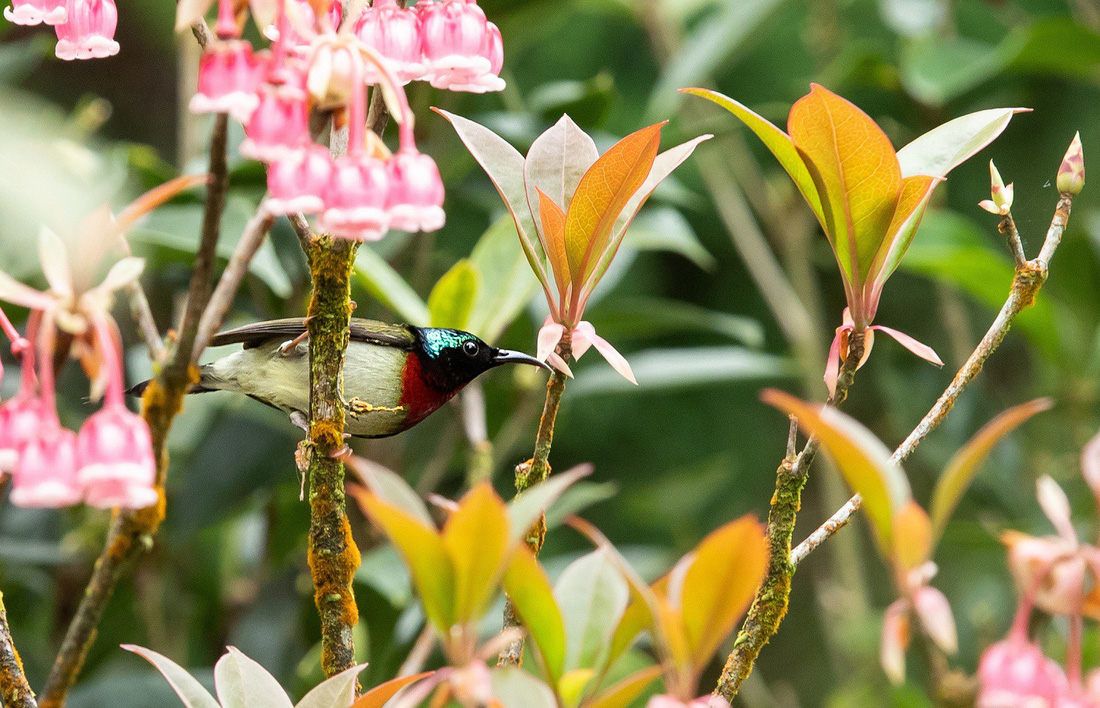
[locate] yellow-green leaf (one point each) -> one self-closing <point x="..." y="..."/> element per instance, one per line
<point x="476" y="539"/>
<point x="572" y="685"/>
<point x="377" y="696"/>
<point x="778" y="142"/>
<point x="531" y="594"/>
<point x="424" y="553"/>
<point x="453" y="297"/>
<point x="626" y="691"/>
<point x="861" y="457"/>
<point x="916" y="191"/>
<point x="912" y="536"/>
<point x="601" y="196"/>
<point x="856" y="172"/>
<point x="553" y="231"/>
<point x="726" y="569"/>
<point x="966" y="463"/>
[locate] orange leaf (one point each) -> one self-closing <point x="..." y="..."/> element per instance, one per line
<point x="476" y="538"/>
<point x="377" y="696"/>
<point x="912" y="536"/>
<point x="601" y="196"/>
<point x="729" y="564"/>
<point x="915" y="193"/>
<point x="856" y="172"/>
<point x="553" y="234"/>
<point x="626" y="691"/>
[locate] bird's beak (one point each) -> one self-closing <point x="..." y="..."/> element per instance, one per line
<point x="507" y="356"/>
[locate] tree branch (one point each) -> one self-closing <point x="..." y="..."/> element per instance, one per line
<point x="14" y="689"/>
<point x="1030" y="276"/>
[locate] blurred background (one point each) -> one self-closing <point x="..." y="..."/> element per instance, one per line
<point x="695" y="302"/>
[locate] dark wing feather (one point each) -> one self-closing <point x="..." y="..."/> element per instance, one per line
<point x="258" y="333"/>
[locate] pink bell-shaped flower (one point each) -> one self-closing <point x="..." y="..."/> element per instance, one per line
<point x="355" y="199"/>
<point x="88" y="31"/>
<point x="303" y="24"/>
<point x="463" y="50"/>
<point x="229" y="78"/>
<point x="45" y="476"/>
<point x="20" y="419"/>
<point x="117" y="465"/>
<point x="278" y="127"/>
<point x="394" y="32"/>
<point x="1015" y="673"/>
<point x="415" y="201"/>
<point x="36" y="12"/>
<point x="297" y="183"/>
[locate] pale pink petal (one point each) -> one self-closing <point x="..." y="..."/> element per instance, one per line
<point x="549" y="336"/>
<point x="989" y="206"/>
<point x="55" y="262"/>
<point x="1055" y="505"/>
<point x="617" y="361"/>
<point x="832" y="366"/>
<point x="934" y="612"/>
<point x="922" y="350"/>
<point x="1090" y="464"/>
<point x="123" y="273"/>
<point x="895" y="640"/>
<point x="558" y="363"/>
<point x="11" y="290"/>
<point x="583" y="336"/>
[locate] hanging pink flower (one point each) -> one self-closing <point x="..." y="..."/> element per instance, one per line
<point x="1015" y="671"/>
<point x="45" y="476"/>
<point x="229" y="78"/>
<point x="279" y="126"/>
<point x="463" y="50"/>
<point x="88" y="31"/>
<point x="394" y="32"/>
<point x="19" y="421"/>
<point x="36" y="12"/>
<point x="355" y="198"/>
<point x="415" y="201"/>
<point x="117" y="466"/>
<point x="297" y="183"/>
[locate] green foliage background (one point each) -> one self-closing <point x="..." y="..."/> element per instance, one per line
<point x="688" y="449"/>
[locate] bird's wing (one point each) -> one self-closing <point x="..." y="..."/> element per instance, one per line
<point x="369" y="331"/>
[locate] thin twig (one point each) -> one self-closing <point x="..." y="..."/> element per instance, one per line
<point x="1030" y="277"/>
<point x="14" y="689"/>
<point x="147" y="324"/>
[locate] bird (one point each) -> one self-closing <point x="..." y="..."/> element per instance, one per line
<point x="395" y="376"/>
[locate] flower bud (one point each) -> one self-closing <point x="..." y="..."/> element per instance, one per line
<point x="1071" y="173"/>
<point x="117" y="465"/>
<point x="1001" y="202"/>
<point x="88" y="31"/>
<point x="36" y="12"/>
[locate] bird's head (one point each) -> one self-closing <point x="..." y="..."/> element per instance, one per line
<point x="451" y="358"/>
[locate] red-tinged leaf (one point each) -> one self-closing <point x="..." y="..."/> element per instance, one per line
<point x="476" y="538"/>
<point x="377" y="696"/>
<point x="861" y="457"/>
<point x="912" y="536"/>
<point x="155" y="197"/>
<point x="941" y="149"/>
<point x="856" y="173"/>
<point x="425" y="554"/>
<point x="531" y="594"/>
<point x="528" y="507"/>
<point x="553" y="235"/>
<point x="895" y="641"/>
<point x="334" y="692"/>
<point x="919" y="348"/>
<point x="934" y="612"/>
<point x="915" y="193"/>
<point x="556" y="163"/>
<point x="391" y="488"/>
<point x="242" y="682"/>
<point x="187" y="687"/>
<point x="623" y="693"/>
<point x="778" y="142"/>
<point x="968" y="461"/>
<point x="602" y="195"/>
<point x="504" y="165"/>
<point x="726" y="569"/>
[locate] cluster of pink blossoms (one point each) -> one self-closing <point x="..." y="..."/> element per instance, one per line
<point x="85" y="28"/>
<point x="326" y="61"/>
<point x="1058" y="575"/>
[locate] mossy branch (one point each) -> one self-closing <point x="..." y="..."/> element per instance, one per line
<point x="14" y="689"/>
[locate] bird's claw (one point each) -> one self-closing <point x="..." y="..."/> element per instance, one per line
<point x="343" y="454"/>
<point x="287" y="347"/>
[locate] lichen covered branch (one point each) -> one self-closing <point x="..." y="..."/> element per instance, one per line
<point x="14" y="689"/>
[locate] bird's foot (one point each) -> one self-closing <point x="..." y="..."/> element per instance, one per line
<point x="357" y="407"/>
<point x="343" y="454"/>
<point x="302" y="456"/>
<point x="287" y="348"/>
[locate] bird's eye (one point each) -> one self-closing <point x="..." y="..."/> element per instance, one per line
<point x="470" y="348"/>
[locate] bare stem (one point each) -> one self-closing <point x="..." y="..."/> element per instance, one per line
<point x="133" y="531"/>
<point x="143" y="315"/>
<point x="1030" y="276"/>
<point x="14" y="689"/>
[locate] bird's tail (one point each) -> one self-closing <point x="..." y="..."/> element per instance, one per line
<point x="138" y="390"/>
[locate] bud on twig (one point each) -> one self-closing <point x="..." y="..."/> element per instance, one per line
<point x="1071" y="174"/>
<point x="1001" y="202"/>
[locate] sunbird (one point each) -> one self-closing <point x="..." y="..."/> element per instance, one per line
<point x="394" y="376"/>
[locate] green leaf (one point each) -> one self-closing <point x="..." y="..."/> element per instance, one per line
<point x="507" y="284"/>
<point x="515" y="688"/>
<point x="526" y="508"/>
<point x="670" y="369"/>
<point x="861" y="458"/>
<point x="945" y="147"/>
<point x="651" y="316"/>
<point x="477" y="540"/>
<point x="666" y="229"/>
<point x="592" y="596"/>
<point x="389" y="288"/>
<point x="936" y="70"/>
<point x="531" y="594"/>
<point x="968" y="461"/>
<point x="243" y="683"/>
<point x="335" y="692"/>
<point x="189" y="690"/>
<point x="1057" y="45"/>
<point x="452" y="299"/>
